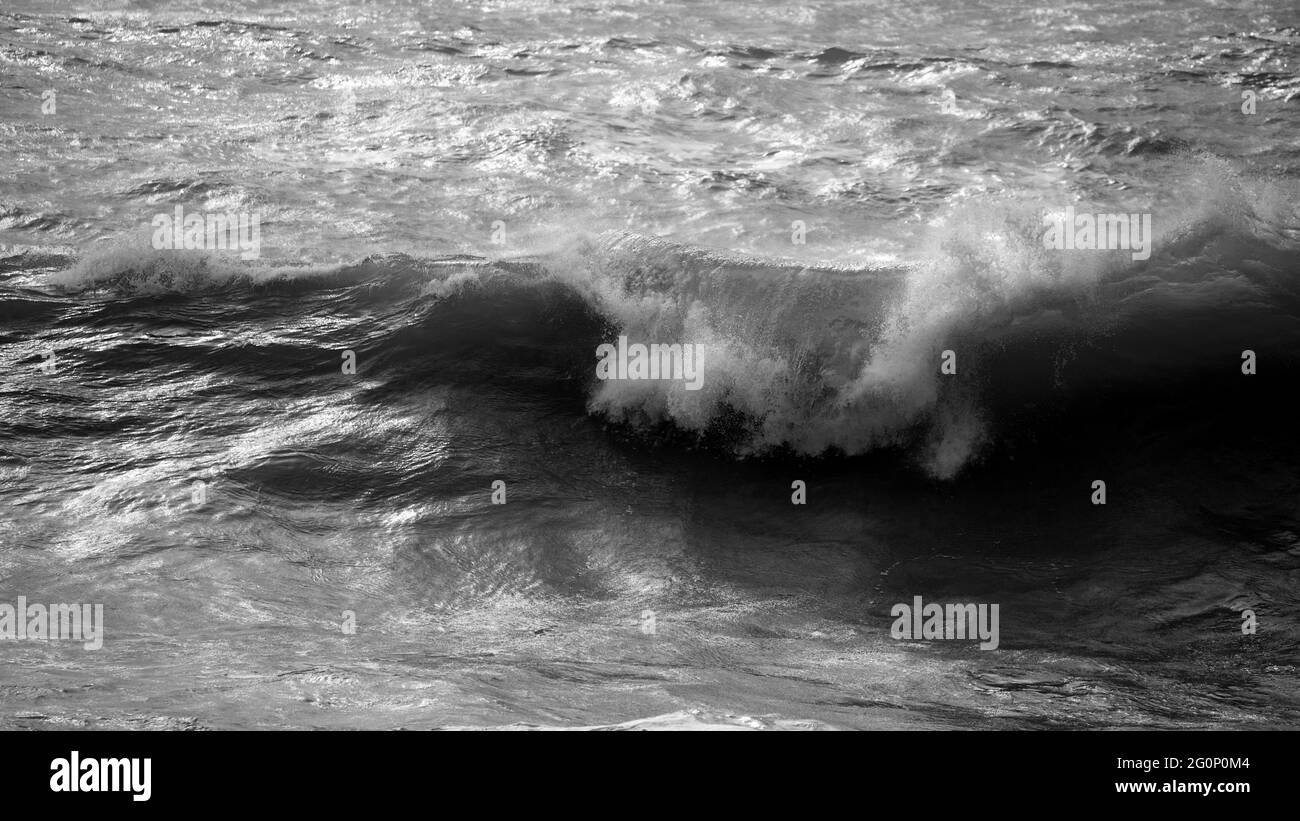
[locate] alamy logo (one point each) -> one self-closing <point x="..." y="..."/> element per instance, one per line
<point x="953" y="621"/>
<point x="213" y="232"/>
<point x="1067" y="231"/>
<point x="654" y="361"/>
<point x="57" y="622"/>
<point x="75" y="774"/>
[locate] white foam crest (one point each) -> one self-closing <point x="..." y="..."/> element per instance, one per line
<point x="132" y="261"/>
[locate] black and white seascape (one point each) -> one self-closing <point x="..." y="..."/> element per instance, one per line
<point x="834" y="364"/>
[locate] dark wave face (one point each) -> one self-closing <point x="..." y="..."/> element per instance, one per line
<point x="390" y="416"/>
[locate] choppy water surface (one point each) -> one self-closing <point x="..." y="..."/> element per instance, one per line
<point x="473" y="197"/>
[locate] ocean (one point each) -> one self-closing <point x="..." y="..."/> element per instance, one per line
<point x="350" y="464"/>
